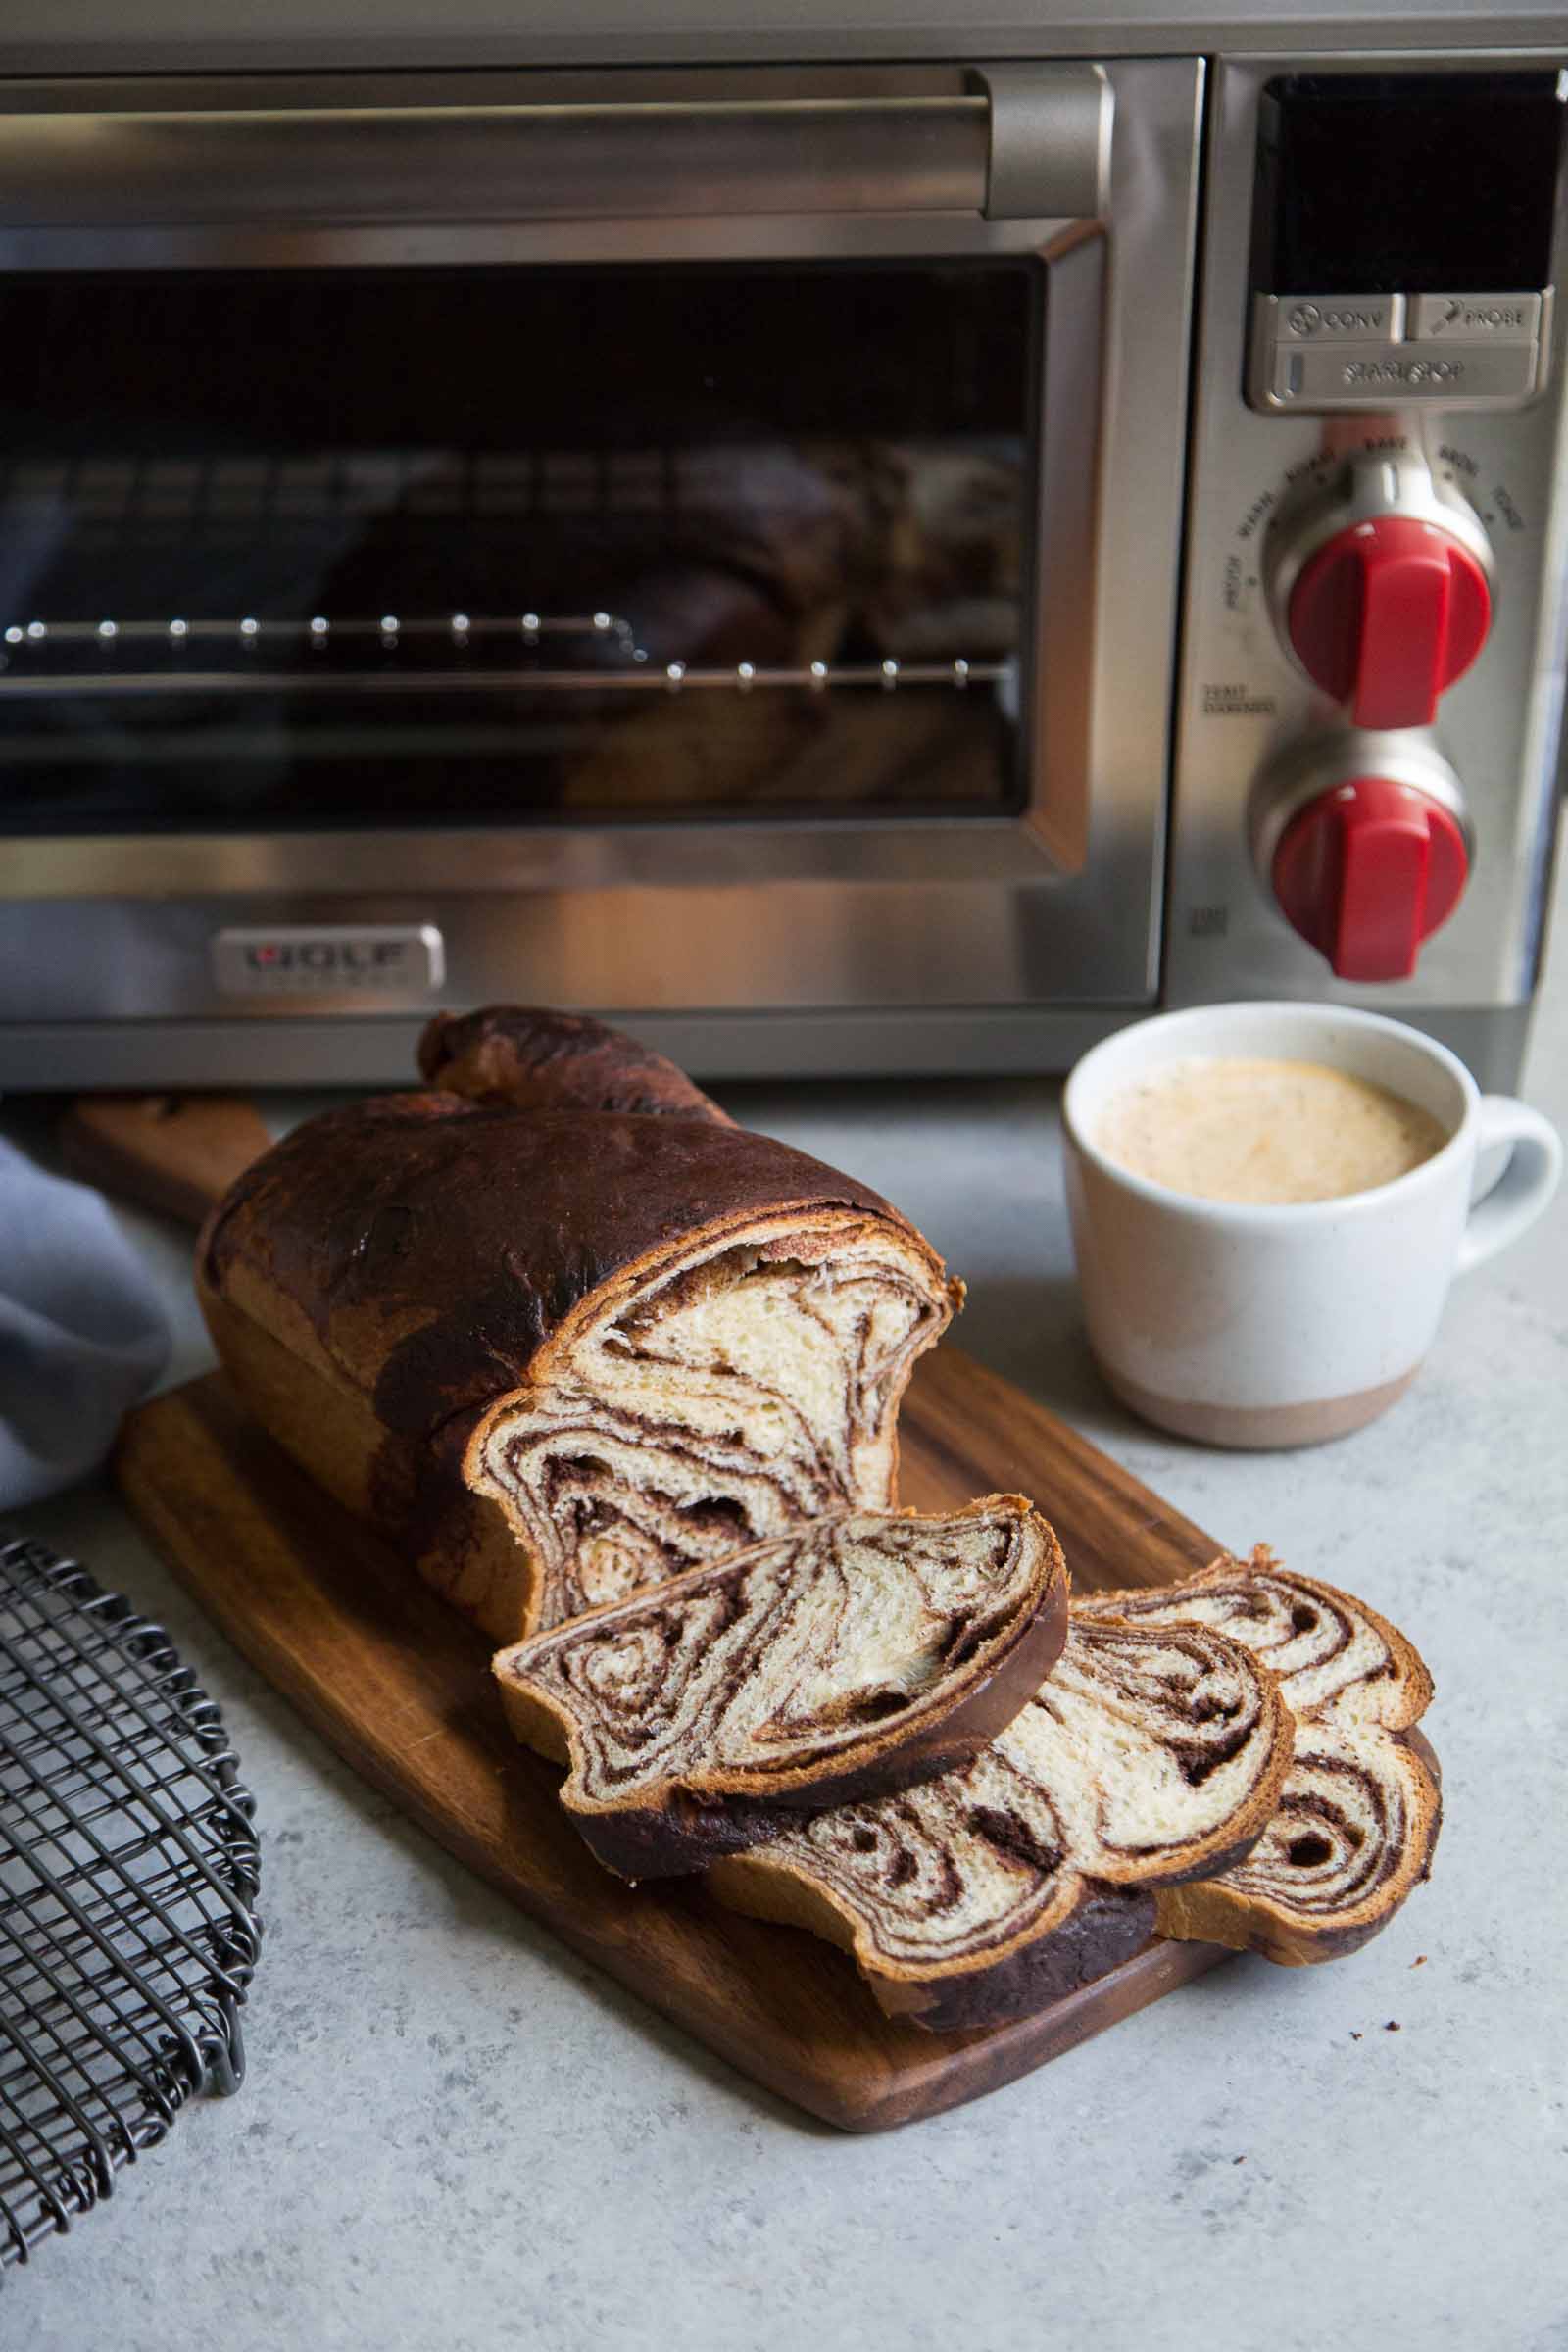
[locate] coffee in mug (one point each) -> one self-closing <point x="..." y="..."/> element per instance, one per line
<point x="1268" y="1203"/>
<point x="1265" y="1131"/>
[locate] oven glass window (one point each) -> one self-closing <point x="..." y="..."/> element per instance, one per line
<point x="560" y="546"/>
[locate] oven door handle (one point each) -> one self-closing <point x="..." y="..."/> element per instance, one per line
<point x="1010" y="142"/>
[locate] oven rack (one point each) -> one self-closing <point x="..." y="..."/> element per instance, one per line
<point x="42" y="657"/>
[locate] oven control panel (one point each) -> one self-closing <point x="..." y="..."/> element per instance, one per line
<point x="1401" y="239"/>
<point x="1372" y="680"/>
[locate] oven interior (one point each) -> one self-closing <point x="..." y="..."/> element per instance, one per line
<point x="516" y="546"/>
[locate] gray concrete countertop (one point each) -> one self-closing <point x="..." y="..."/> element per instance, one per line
<point x="456" y="2135"/>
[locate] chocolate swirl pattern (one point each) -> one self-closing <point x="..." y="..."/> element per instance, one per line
<point x="1333" y="1654"/>
<point x="1360" y="1808"/>
<point x="993" y="1891"/>
<point x="862" y="1654"/>
<point x="1351" y="1838"/>
<point x="1148" y="1755"/>
<point x="745" y="1389"/>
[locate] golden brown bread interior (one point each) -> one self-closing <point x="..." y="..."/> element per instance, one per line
<point x="557" y="1351"/>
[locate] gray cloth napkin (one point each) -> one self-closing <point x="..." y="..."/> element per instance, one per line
<point x="83" y="1333"/>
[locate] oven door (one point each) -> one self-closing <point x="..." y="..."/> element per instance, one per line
<point x="701" y="548"/>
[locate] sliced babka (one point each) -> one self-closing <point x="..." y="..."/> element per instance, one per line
<point x="856" y="1656"/>
<point x="1359" y="1814"/>
<point x="1148" y="1755"/>
<point x="982" y="1897"/>
<point x="560" y="1329"/>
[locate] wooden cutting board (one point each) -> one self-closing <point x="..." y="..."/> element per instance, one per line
<point x="399" y="1685"/>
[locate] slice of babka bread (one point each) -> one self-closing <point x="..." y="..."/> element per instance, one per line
<point x="559" y="1328"/>
<point x="857" y="1655"/>
<point x="1353" y="1836"/>
<point x="1150" y="1755"/>
<point x="1359" y="1812"/>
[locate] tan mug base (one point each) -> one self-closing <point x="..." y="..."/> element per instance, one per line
<point x="1259" y="1428"/>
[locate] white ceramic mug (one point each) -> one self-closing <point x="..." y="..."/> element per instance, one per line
<point x="1242" y="1325"/>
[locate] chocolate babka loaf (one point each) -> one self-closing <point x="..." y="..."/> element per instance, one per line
<point x="1360" y="1811"/>
<point x="559" y="1327"/>
<point x="857" y="1655"/>
<point x="1148" y="1755"/>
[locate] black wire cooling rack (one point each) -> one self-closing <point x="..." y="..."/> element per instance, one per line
<point x="127" y="1876"/>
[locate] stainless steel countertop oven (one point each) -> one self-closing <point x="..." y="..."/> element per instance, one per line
<point x="889" y="558"/>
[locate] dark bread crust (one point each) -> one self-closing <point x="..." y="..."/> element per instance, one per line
<point x="431" y="1245"/>
<point x="414" y="1255"/>
<point x="669" y="1830"/>
<point x="534" y="1059"/>
<point x="1107" y="1926"/>
<point x="1096" y="1929"/>
<point x="411" y="1489"/>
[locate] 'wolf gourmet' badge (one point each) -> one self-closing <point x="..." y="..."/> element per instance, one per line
<point x="405" y="959"/>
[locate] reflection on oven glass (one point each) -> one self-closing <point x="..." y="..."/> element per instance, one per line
<point x="507" y="547"/>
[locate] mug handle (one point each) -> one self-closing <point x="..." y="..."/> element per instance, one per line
<point x="1526" y="1185"/>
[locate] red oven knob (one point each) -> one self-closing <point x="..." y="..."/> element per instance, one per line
<point x="1367" y="870"/>
<point x="1386" y="615"/>
<point x="1381" y="588"/>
